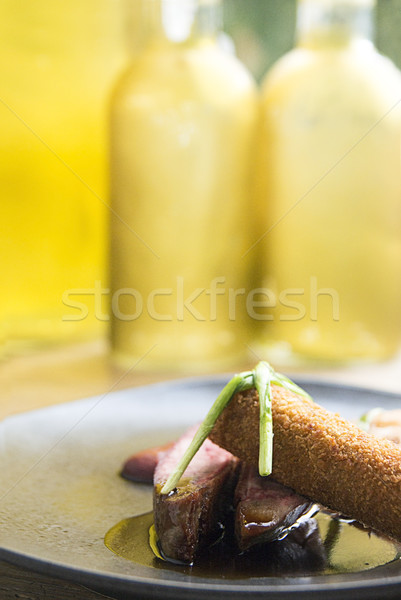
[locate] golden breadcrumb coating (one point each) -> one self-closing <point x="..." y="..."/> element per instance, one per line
<point x="320" y="455"/>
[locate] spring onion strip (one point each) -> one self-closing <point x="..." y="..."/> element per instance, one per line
<point x="366" y="419"/>
<point x="240" y="382"/>
<point x="283" y="381"/>
<point x="262" y="378"/>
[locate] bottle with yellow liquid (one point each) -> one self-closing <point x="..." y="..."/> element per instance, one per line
<point x="182" y="140"/>
<point x="59" y="60"/>
<point x="329" y="192"/>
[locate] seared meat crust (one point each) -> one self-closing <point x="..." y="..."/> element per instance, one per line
<point x="187" y="517"/>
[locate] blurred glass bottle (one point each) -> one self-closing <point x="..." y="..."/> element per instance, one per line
<point x="329" y="191"/>
<point x="182" y="134"/>
<point x="59" y="59"/>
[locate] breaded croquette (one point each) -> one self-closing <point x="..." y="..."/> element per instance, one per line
<point x="320" y="455"/>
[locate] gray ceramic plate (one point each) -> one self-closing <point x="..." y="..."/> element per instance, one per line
<point x="60" y="493"/>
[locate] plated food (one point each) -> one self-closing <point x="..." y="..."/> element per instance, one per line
<point x="58" y="515"/>
<point x="322" y="456"/>
<point x="317" y="457"/>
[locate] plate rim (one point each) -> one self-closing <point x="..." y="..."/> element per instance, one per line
<point x="302" y="587"/>
<point x="218" y="378"/>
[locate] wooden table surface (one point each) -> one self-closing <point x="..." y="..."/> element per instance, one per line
<point x="64" y="374"/>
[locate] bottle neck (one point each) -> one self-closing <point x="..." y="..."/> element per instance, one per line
<point x="334" y="22"/>
<point x="180" y="21"/>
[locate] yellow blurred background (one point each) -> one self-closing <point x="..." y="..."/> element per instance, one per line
<point x="60" y="60"/>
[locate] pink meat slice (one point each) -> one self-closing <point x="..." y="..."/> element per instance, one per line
<point x="186" y="519"/>
<point x="265" y="510"/>
<point x="140" y="467"/>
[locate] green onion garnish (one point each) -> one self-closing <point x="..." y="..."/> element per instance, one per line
<point x="366" y="419"/>
<point x="261" y="378"/>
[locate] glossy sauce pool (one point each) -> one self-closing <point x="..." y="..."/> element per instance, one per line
<point x="334" y="546"/>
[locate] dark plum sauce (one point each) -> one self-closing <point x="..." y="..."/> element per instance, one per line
<point x="323" y="545"/>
